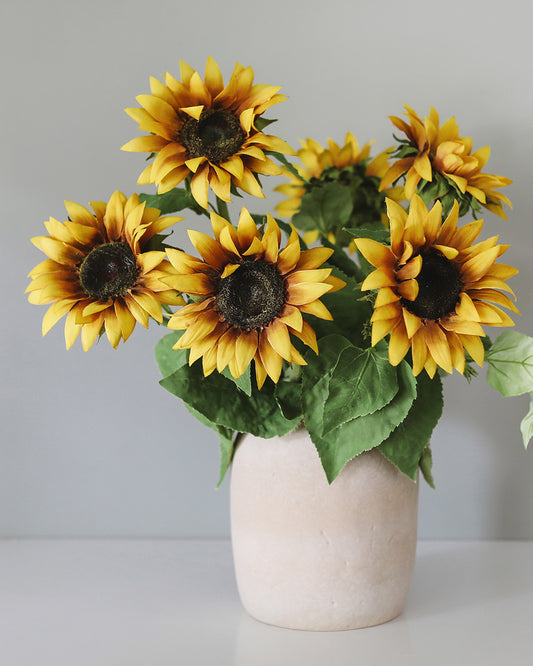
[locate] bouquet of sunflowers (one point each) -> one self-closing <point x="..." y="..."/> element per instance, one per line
<point x="343" y="313"/>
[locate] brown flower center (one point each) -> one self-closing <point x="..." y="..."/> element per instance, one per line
<point x="109" y="270"/>
<point x="217" y="135"/>
<point x="439" y="287"/>
<point x="251" y="297"/>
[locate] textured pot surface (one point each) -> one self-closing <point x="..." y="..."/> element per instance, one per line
<point x="309" y="555"/>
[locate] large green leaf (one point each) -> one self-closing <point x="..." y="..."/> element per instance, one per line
<point x="325" y="207"/>
<point x="317" y="373"/>
<point x="407" y="442"/>
<point x="220" y="401"/>
<point x="359" y="434"/>
<point x="362" y="382"/>
<point x="511" y="364"/>
<point x="169" y="360"/>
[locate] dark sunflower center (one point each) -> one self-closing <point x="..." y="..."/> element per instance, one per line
<point x="251" y="297"/>
<point x="216" y="135"/>
<point x="439" y="287"/>
<point x="108" y="270"/>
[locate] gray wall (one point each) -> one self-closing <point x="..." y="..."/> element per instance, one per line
<point x="91" y="445"/>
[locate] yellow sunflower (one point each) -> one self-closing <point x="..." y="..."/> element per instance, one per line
<point x="436" y="288"/>
<point x="316" y="160"/>
<point x="441" y="149"/>
<point x="252" y="296"/>
<point x="97" y="273"/>
<point x="208" y="130"/>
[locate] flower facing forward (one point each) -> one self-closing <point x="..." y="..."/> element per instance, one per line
<point x="208" y="131"/>
<point x="319" y="163"/>
<point x="252" y="296"/>
<point x="436" y="289"/>
<point x="97" y="273"/>
<point x="441" y="149"/>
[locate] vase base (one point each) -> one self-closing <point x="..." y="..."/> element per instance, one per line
<point x="302" y="624"/>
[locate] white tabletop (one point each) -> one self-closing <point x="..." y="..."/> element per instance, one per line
<point x="174" y="603"/>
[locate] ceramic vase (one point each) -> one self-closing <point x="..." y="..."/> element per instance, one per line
<point x="317" y="556"/>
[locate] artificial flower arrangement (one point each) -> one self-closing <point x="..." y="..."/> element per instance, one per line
<point x="347" y="325"/>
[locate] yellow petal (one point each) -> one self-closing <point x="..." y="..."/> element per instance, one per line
<point x="112" y="328"/>
<point x="125" y="319"/>
<point x="475" y="268"/>
<point x="438" y="347"/>
<point x="382" y="328"/>
<point x="271" y="360"/>
<point x="200" y="186"/>
<point x="245" y="348"/>
<point x="318" y="309"/>
<point x="474" y="346"/>
<point x="466" y="309"/>
<point x="306" y="292"/>
<point x="89" y="332"/>
<point x="246" y="229"/>
<point x="145" y="144"/>
<point x="378" y="279"/>
<point x="279" y="339"/>
<point x="313" y="258"/>
<point x="260" y="371"/>
<point x="399" y="344"/>
<point x="408" y="289"/>
<point x="377" y="254"/>
<point x="210" y="250"/>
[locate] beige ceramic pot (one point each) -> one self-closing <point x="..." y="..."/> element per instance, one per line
<point x="309" y="555"/>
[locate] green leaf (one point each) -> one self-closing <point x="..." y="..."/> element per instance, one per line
<point x="378" y="233"/>
<point x="359" y="434"/>
<point x="169" y="360"/>
<point x="526" y="426"/>
<point x="244" y="382"/>
<point x="289" y="400"/>
<point x="407" y="442"/>
<point x="426" y="466"/>
<point x="226" y="436"/>
<point x="511" y="364"/>
<point x="324" y="208"/>
<point x="227" y="448"/>
<point x="172" y="202"/>
<point x="362" y="382"/>
<point x="350" y="310"/>
<point x="261" y="123"/>
<point x="290" y="166"/>
<point x="220" y="401"/>
<point x="316" y="374"/>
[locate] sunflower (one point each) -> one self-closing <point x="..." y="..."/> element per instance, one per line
<point x="97" y="273"/>
<point x="319" y="162"/>
<point x="436" y="289"/>
<point x="207" y="130"/>
<point x="251" y="297"/>
<point x="441" y="149"/>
